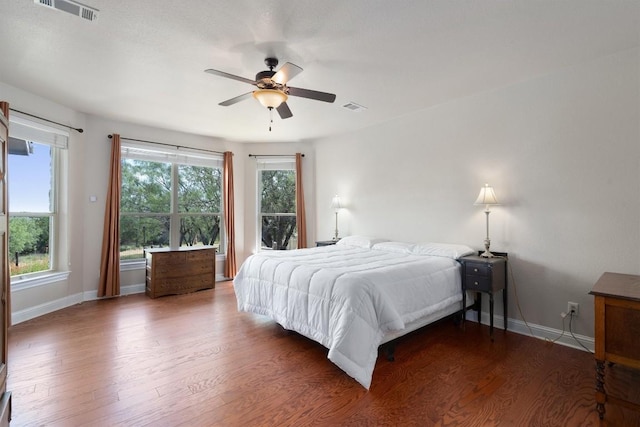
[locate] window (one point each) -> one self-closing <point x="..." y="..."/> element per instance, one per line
<point x="169" y="198"/>
<point x="36" y="153"/>
<point x="277" y="203"/>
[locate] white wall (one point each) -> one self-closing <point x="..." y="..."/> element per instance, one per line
<point x="562" y="153"/>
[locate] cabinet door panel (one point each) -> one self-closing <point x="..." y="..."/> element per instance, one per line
<point x="4" y="259"/>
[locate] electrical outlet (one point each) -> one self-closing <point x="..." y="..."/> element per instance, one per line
<point x="572" y="307"/>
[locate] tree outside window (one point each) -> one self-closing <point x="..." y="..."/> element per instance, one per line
<point x="277" y="204"/>
<point x="32" y="206"/>
<point x="145" y="207"/>
<point x="169" y="200"/>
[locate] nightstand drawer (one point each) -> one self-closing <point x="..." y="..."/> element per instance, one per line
<point x="478" y="269"/>
<point x="478" y="283"/>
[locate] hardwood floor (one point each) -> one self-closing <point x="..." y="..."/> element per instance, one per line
<point x="193" y="360"/>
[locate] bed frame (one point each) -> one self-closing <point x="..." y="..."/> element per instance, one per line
<point x="388" y="341"/>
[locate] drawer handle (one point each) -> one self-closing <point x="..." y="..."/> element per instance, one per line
<point x="475" y="270"/>
<point x="476" y="283"/>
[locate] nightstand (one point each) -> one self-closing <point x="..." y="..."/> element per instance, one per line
<point x="326" y="242"/>
<point x="484" y="275"/>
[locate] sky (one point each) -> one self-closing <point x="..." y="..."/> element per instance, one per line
<point x="30" y="180"/>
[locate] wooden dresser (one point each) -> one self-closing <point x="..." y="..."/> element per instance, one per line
<point x="179" y="271"/>
<point x="617" y="332"/>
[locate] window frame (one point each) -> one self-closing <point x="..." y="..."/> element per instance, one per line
<point x="28" y="129"/>
<point x="271" y="163"/>
<point x="176" y="156"/>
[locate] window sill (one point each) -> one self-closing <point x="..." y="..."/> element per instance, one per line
<point x="141" y="263"/>
<point x="133" y="265"/>
<point x="25" y="282"/>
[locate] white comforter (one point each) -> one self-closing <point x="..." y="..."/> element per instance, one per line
<point x="346" y="297"/>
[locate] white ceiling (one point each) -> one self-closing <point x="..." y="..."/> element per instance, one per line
<point x="142" y="61"/>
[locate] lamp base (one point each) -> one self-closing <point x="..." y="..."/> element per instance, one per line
<point x="487" y="254"/>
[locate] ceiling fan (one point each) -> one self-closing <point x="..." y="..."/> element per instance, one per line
<point x="272" y="90"/>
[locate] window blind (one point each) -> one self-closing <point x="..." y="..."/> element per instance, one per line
<point x="276" y="163"/>
<point x="30" y="130"/>
<point x="166" y="154"/>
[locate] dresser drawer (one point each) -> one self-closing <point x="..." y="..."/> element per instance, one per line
<point x="179" y="271"/>
<point x="168" y="286"/>
<point x="200" y="255"/>
<point x="198" y="266"/>
<point x="477" y="269"/>
<point x="478" y="283"/>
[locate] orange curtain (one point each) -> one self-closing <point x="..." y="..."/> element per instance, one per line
<point x="110" y="265"/>
<point x="301" y="217"/>
<point x="230" y="268"/>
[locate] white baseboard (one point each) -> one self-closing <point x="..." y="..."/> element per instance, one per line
<point x="538" y="331"/>
<point x="124" y="290"/>
<point x="49" y="307"/>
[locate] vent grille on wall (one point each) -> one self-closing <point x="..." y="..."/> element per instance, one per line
<point x="354" y="107"/>
<point x="72" y="7"/>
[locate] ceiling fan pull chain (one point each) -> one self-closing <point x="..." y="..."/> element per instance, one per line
<point x="270" y="117"/>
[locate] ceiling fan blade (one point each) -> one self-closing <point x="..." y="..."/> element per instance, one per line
<point x="284" y="111"/>
<point x="286" y="73"/>
<point x="229" y="76"/>
<point x="312" y="94"/>
<point x="236" y="99"/>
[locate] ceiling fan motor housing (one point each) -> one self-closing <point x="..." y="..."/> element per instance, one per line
<point x="271" y="62"/>
<point x="263" y="80"/>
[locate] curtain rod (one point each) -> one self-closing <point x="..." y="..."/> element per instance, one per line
<point x="47" y="120"/>
<point x="273" y="155"/>
<point x="169" y="145"/>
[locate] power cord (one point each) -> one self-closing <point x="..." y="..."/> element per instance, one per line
<point x="571" y="332"/>
<point x="563" y="331"/>
<point x="515" y="294"/>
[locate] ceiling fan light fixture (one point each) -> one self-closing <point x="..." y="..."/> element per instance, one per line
<point x="270" y="98"/>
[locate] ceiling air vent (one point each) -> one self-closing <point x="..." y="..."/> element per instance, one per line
<point x="72" y="7"/>
<point x="354" y="107"/>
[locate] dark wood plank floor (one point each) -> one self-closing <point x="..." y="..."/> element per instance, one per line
<point x="193" y="360"/>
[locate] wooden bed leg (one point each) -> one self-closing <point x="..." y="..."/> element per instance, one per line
<point x="389" y="350"/>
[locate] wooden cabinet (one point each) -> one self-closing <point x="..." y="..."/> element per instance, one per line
<point x="179" y="271"/>
<point x="617" y="331"/>
<point x="5" y="312"/>
<point x="488" y="275"/>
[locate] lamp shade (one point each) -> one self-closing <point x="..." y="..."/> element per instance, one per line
<point x="335" y="203"/>
<point x="270" y="98"/>
<point x="487" y="196"/>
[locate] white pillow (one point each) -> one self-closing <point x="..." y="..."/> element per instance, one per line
<point x="448" y="250"/>
<point x="398" y="247"/>
<point x="360" y="241"/>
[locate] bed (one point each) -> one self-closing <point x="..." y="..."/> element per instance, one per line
<point x="353" y="296"/>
